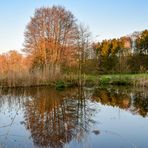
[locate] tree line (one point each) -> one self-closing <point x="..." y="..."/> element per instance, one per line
<point x="56" y="46"/>
<point x="128" y="54"/>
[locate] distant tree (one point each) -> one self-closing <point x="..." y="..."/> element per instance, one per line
<point x="11" y="67"/>
<point x="3" y="65"/>
<point x="142" y="42"/>
<point x="138" y="63"/>
<point x="107" y="55"/>
<point x="123" y="53"/>
<point x="115" y="46"/>
<point x="14" y="61"/>
<point x="112" y="54"/>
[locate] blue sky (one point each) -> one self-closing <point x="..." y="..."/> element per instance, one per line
<point x="105" y="18"/>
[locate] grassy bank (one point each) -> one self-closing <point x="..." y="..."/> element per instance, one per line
<point x="125" y="79"/>
<point x="90" y="80"/>
<point x="114" y="79"/>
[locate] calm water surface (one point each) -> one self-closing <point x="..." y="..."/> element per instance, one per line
<point x="112" y="117"/>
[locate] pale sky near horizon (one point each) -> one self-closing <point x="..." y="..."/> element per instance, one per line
<point x="105" y="18"/>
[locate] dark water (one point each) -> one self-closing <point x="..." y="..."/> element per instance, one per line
<point x="74" y="118"/>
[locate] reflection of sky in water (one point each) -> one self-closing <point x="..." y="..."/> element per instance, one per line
<point x="125" y="128"/>
<point x="117" y="128"/>
<point x="12" y="132"/>
<point x="106" y="126"/>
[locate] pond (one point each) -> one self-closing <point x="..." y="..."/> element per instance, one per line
<point x="110" y="117"/>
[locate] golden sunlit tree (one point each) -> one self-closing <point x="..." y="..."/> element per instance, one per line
<point x="49" y="38"/>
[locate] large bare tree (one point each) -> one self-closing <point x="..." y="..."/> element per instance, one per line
<point x="50" y="37"/>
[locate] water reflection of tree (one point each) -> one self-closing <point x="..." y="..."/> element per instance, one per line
<point x="136" y="102"/>
<point x="13" y="98"/>
<point x="141" y="104"/>
<point x="54" y="118"/>
<point x="113" y="98"/>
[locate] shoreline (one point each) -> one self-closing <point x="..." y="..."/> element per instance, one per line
<point x="139" y="80"/>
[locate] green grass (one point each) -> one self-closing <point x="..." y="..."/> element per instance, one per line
<point x="124" y="79"/>
<point x="116" y="79"/>
<point x="131" y="76"/>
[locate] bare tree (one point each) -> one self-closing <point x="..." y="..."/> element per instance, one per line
<point x="48" y="37"/>
<point x="84" y="47"/>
